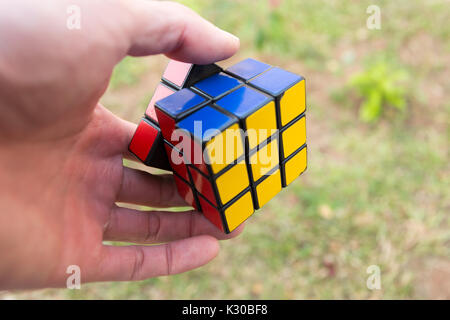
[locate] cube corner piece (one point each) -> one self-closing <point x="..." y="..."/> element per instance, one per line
<point x="183" y="75"/>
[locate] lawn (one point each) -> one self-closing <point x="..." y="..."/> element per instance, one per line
<point x="377" y="188"/>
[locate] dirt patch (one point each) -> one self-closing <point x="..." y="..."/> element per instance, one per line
<point x="432" y="278"/>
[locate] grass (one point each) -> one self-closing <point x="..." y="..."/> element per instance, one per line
<point x="373" y="193"/>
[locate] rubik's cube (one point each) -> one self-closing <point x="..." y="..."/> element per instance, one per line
<point x="233" y="138"/>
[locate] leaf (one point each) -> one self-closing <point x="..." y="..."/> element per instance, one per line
<point x="371" y="108"/>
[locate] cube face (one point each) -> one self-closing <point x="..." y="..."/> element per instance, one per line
<point x="233" y="138"/>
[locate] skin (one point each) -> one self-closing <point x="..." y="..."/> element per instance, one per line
<point x="61" y="152"/>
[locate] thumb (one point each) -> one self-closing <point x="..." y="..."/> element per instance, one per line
<point x="173" y="29"/>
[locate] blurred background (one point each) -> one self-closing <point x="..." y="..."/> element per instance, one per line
<point x="377" y="188"/>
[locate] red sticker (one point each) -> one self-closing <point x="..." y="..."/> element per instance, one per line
<point x="211" y="213"/>
<point x="143" y="139"/>
<point x="203" y="186"/>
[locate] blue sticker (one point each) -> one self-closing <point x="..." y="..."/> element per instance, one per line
<point x="248" y="68"/>
<point x="206" y="123"/>
<point x="179" y="102"/>
<point x="217" y="84"/>
<point x="243" y="101"/>
<point x="275" y="81"/>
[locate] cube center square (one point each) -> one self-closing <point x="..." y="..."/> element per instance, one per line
<point x="217" y="85"/>
<point x="264" y="159"/>
<point x="233" y="138"/>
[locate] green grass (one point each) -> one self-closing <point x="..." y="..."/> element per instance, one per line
<point x="127" y="73"/>
<point x="372" y="194"/>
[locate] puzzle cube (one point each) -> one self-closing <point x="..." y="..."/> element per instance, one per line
<point x="234" y="138"/>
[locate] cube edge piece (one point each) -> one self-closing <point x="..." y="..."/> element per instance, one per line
<point x="150" y="152"/>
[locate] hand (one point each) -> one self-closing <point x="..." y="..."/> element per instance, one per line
<point x="61" y="152"/>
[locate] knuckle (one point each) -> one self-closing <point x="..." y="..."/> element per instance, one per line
<point x="139" y="259"/>
<point x="169" y="257"/>
<point x="167" y="190"/>
<point x="191" y="224"/>
<point x="153" y="227"/>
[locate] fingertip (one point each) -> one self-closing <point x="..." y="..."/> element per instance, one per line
<point x="232" y="43"/>
<point x="195" y="252"/>
<point x="211" y="247"/>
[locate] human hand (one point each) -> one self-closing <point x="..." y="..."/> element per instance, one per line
<point x="61" y="152"/>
